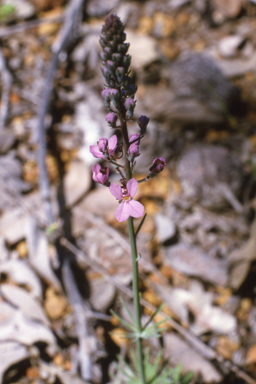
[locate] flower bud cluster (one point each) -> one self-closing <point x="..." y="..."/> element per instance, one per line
<point x="115" y="67"/>
<point x="118" y="97"/>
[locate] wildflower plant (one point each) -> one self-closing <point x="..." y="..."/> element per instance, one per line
<point x="119" y="99"/>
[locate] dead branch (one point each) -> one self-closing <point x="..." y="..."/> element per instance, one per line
<point x="68" y="32"/>
<point x="21" y="27"/>
<point x="81" y="321"/>
<point x="6" y="89"/>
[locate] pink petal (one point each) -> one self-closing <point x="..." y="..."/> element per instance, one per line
<point x="136" y="209"/>
<point x="116" y="191"/>
<point x="132" y="187"/>
<point x="122" y="212"/>
<point x="112" y="144"/>
<point x="95" y="151"/>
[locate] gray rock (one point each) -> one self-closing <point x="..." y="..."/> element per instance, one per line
<point x="77" y="182"/>
<point x="197" y="92"/>
<point x="229" y="45"/>
<point x="165" y="228"/>
<point x="198" y="77"/>
<point x="102" y="294"/>
<point x="211" y="176"/>
<point x="178" y="3"/>
<point x="98" y="8"/>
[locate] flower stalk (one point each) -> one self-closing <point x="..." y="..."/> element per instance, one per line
<point x="136" y="296"/>
<point x="119" y="99"/>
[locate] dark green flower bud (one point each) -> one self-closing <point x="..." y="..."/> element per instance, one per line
<point x="120" y="74"/>
<point x="111" y="66"/>
<point x="116" y="57"/>
<point x="126" y="61"/>
<point x="123" y="48"/>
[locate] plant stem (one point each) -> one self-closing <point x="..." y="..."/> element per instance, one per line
<point x="136" y="297"/>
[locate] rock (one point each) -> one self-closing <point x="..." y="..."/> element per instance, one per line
<point x="177" y="3"/>
<point x="98" y="8"/>
<point x="102" y="294"/>
<point x="229" y="46"/>
<point x="197" y="92"/>
<point x="142" y="49"/>
<point x="55" y="304"/>
<point x="197" y="77"/>
<point x="180" y="352"/>
<point x="236" y="66"/>
<point x="193" y="262"/>
<point x="228" y="8"/>
<point x="211" y="176"/>
<point x="7" y="139"/>
<point x="77" y="182"/>
<point x="165" y="228"/>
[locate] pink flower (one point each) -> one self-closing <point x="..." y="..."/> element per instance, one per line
<point x="100" y="175"/>
<point x="128" y="206"/>
<point x="104" y="147"/>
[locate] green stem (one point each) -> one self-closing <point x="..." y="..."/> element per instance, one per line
<point x="136" y="297"/>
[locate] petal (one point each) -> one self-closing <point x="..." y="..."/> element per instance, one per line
<point x="132" y="187"/>
<point x="116" y="191"/>
<point x="96" y="168"/>
<point x="95" y="151"/>
<point x="112" y="143"/>
<point x="122" y="212"/>
<point x="136" y="209"/>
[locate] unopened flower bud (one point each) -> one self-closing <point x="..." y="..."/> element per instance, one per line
<point x="120" y="74"/>
<point x="111" y="66"/>
<point x="143" y="122"/>
<point x="100" y="175"/>
<point x="126" y="61"/>
<point x="106" y="54"/>
<point x="106" y="96"/>
<point x="106" y="73"/>
<point x="111" y="119"/>
<point x="114" y="96"/>
<point x="130" y="105"/>
<point x="123" y="48"/>
<point x="116" y="57"/>
<point x="157" y="166"/>
<point x="133" y="150"/>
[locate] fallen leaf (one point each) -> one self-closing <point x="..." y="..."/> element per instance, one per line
<point x="23" y="300"/>
<point x="11" y="353"/>
<point x="19" y="272"/>
<point x="179" y="352"/>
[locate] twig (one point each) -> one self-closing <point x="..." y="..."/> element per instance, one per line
<point x="13" y="29"/>
<point x="81" y="320"/>
<point x="6" y="89"/>
<point x="196" y="343"/>
<point x="73" y="13"/>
